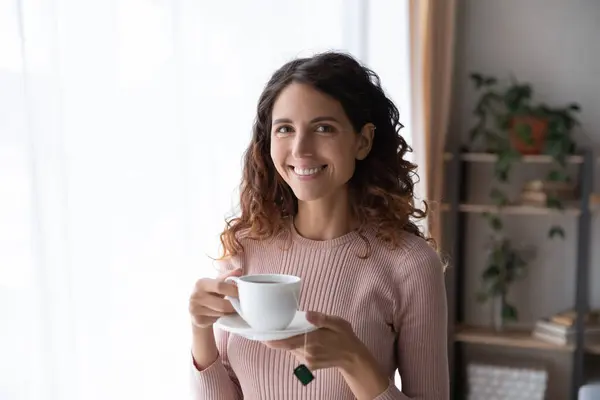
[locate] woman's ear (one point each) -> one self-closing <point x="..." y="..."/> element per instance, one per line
<point x="365" y="141"/>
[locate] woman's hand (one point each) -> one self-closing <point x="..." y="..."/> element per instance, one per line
<point x="207" y="303"/>
<point x="333" y="345"/>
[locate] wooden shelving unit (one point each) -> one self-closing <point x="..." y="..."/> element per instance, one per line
<point x="459" y="208"/>
<point x="517" y="209"/>
<point x="593" y="349"/>
<point x="514" y="337"/>
<point x="509" y="338"/>
<point x="489" y="158"/>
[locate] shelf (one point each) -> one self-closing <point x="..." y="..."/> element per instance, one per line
<point x="463" y="198"/>
<point x="513" y="337"/>
<point x="520" y="338"/>
<point x="593" y="349"/>
<point x="514" y="209"/>
<point x="533" y="159"/>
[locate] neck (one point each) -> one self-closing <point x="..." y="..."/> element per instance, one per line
<point x="324" y="219"/>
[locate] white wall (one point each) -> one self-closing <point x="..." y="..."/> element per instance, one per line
<point x="555" y="45"/>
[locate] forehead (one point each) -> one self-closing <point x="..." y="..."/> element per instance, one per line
<point x="299" y="101"/>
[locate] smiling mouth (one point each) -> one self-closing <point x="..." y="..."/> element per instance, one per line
<point x="307" y="171"/>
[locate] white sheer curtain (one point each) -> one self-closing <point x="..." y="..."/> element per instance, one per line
<point x="122" y="124"/>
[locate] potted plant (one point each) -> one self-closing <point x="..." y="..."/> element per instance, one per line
<point x="509" y="119"/>
<point x="510" y="124"/>
<point x="505" y="265"/>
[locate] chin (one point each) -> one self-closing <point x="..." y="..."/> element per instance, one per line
<point x="309" y="195"/>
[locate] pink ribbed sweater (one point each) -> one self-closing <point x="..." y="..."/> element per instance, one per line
<point x="395" y="301"/>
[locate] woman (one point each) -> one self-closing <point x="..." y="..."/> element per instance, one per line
<point x="326" y="195"/>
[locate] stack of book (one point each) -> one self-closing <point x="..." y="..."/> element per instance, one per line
<point x="560" y="328"/>
<point x="537" y="192"/>
<point x="595" y="199"/>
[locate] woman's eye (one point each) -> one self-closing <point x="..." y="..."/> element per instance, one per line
<point x="324" y="129"/>
<point x="283" y="130"/>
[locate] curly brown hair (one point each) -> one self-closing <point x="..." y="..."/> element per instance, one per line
<point x="382" y="187"/>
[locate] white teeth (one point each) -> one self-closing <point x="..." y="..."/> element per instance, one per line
<point x="307" y="171"/>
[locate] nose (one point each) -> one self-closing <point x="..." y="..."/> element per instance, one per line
<point x="303" y="144"/>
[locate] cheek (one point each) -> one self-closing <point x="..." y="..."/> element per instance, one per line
<point x="274" y="151"/>
<point x="349" y="167"/>
<point x="278" y="158"/>
<point x="345" y="163"/>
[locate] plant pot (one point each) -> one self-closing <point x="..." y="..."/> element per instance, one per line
<point x="497" y="304"/>
<point x="528" y="134"/>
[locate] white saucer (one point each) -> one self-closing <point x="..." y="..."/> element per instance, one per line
<point x="236" y="325"/>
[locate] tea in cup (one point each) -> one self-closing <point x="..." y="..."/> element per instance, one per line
<point x="267" y="302"/>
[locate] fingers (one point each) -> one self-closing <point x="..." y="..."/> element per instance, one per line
<point x="215" y="303"/>
<point x="333" y="345"/>
<point x="287" y="344"/>
<point x="313" y="361"/>
<point x="199" y="310"/>
<point x="332" y="322"/>
<point x="224" y="289"/>
<point x="202" y="316"/>
<point x="208" y="312"/>
<point x="207" y="302"/>
<point x="216" y="286"/>
<point x="292" y="343"/>
<point x="301" y="341"/>
<point x="299" y="355"/>
<point x="233" y="272"/>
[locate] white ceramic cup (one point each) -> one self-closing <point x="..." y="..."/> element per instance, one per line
<point x="267" y="302"/>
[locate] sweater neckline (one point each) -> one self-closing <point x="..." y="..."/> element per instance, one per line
<point x="327" y="243"/>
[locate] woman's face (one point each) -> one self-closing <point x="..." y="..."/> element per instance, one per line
<point x="313" y="144"/>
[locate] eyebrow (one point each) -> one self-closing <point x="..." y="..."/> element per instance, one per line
<point x="312" y="121"/>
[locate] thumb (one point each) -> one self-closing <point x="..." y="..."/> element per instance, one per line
<point x="233" y="272"/>
<point x="317" y="319"/>
<point x="321" y="320"/>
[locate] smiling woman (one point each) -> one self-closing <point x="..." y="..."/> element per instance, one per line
<point x="319" y="115"/>
<point x="328" y="196"/>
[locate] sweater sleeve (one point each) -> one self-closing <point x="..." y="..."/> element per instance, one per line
<point x="218" y="381"/>
<point x="420" y="320"/>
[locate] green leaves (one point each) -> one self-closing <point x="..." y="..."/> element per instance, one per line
<point x="509" y="312"/>
<point x="498" y="197"/>
<point x="481" y="80"/>
<point x="494" y="221"/>
<point x="558" y="176"/>
<point x="516" y="267"/>
<point x="491" y="272"/>
<point x="497" y="107"/>
<point x="558" y="148"/>
<point x="517" y="96"/>
<point x="506" y="158"/>
<point x="477" y="131"/>
<point x="554" y="202"/>
<point x="556" y="231"/>
<point x="504" y="114"/>
<point x="482" y="297"/>
<point x="505" y="264"/>
<point x="524" y="133"/>
<point x="503" y="121"/>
